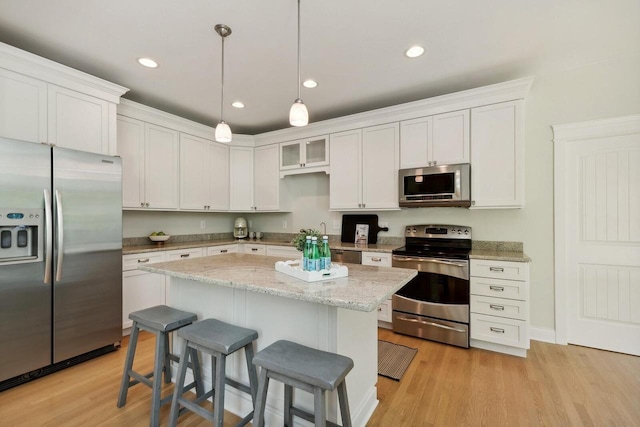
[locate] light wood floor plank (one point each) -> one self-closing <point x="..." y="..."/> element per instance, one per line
<point x="444" y="386"/>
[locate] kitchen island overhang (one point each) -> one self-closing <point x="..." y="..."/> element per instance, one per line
<point x="337" y="315"/>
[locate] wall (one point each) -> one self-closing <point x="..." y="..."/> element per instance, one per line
<point x="599" y="90"/>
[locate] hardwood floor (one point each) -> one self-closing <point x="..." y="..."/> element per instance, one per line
<point x="444" y="386"/>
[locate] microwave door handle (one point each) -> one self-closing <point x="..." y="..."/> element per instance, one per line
<point x="433" y="260"/>
<point x="48" y="236"/>
<point x="60" y="231"/>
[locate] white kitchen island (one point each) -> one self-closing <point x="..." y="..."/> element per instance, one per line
<point x="337" y="315"/>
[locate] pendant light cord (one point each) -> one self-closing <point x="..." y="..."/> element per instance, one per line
<point x="222" y="91"/>
<point x="298" y="49"/>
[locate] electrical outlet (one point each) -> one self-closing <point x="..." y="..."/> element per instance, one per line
<point x="250" y="224"/>
<point x="203" y="224"/>
<point x="284" y="224"/>
<point x="336" y="224"/>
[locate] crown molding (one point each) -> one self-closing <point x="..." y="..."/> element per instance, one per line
<point x="601" y="128"/>
<point x="492" y="94"/>
<point x="35" y="66"/>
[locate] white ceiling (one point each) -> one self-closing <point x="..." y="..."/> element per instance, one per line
<point x="353" y="48"/>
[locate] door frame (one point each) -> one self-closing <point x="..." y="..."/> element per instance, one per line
<point x="563" y="136"/>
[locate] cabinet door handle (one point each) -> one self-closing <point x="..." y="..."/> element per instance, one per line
<point x="223" y="251"/>
<point x="184" y="256"/>
<point x="496" y="307"/>
<point x="376" y="259"/>
<point x="497" y="330"/>
<point x="497" y="269"/>
<point x="497" y="288"/>
<point x="141" y="261"/>
<point x="380" y="309"/>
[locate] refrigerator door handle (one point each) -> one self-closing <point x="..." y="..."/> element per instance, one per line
<point x="48" y="217"/>
<point x="60" y="232"/>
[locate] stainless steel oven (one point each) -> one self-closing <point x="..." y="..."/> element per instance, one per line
<point x="435" y="304"/>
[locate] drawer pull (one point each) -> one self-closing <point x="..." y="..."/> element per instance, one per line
<point x="498" y="330"/>
<point x="497" y="288"/>
<point x="224" y="251"/>
<point x="496" y="307"/>
<point x="140" y="261"/>
<point x="497" y="269"/>
<point x="380" y="309"/>
<point x="184" y="256"/>
<point x="376" y="259"/>
<point x="254" y="249"/>
<point x="437" y="325"/>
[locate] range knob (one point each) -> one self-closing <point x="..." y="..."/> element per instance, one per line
<point x="459" y="231"/>
<point x="466" y="231"/>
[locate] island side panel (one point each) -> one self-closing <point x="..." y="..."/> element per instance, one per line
<point x="328" y="328"/>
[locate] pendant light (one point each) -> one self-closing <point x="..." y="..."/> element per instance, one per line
<point x="223" y="131"/>
<point x="298" y="115"/>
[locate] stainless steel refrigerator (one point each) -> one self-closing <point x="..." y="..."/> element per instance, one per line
<point x="60" y="258"/>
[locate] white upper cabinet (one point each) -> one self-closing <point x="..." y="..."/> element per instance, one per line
<point x="435" y="140"/>
<point x="149" y="164"/>
<point x="204" y="174"/>
<point x="497" y="155"/>
<point x="364" y="168"/>
<point x="80" y="121"/>
<point x="266" y="178"/>
<point x="23" y="110"/>
<point x="304" y="156"/>
<point x="241" y="178"/>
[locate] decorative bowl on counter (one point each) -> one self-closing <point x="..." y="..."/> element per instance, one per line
<point x="162" y="238"/>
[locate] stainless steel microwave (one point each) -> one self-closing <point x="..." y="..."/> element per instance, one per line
<point x="446" y="185"/>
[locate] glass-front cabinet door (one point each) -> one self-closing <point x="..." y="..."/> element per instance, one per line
<point x="304" y="154"/>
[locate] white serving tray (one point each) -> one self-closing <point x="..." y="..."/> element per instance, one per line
<point x="292" y="268"/>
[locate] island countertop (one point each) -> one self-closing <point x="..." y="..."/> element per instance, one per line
<point x="364" y="289"/>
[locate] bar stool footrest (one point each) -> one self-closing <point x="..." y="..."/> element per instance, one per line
<point x="309" y="416"/>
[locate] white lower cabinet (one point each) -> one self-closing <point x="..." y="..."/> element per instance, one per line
<point x="177" y="254"/>
<point x="141" y="289"/>
<point x="284" y="252"/>
<point x="254" y="249"/>
<point x="380" y="259"/>
<point x="499" y="306"/>
<point x="221" y="249"/>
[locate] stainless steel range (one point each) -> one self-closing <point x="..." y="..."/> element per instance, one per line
<point x="435" y="304"/>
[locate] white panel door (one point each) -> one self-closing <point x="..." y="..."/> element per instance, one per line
<point x="131" y="150"/>
<point x="161" y="167"/>
<point x="194" y="190"/>
<point x="78" y="121"/>
<point x="218" y="176"/>
<point x="380" y="148"/>
<point x="266" y="183"/>
<point x="450" y="143"/>
<point x="241" y="178"/>
<point x="415" y="142"/>
<point x="23" y="107"/>
<point x="345" y="170"/>
<point x="601" y="242"/>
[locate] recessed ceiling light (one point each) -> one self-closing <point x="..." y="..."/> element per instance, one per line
<point x="147" y="62"/>
<point x="414" y="51"/>
<point x="310" y="83"/>
<point x="237" y="104"/>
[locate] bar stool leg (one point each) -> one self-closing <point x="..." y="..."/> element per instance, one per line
<point x="128" y="365"/>
<point x="157" y="380"/>
<point x="218" y="397"/>
<point x="180" y="377"/>
<point x="344" y="404"/>
<point x="261" y="399"/>
<point x="320" y="411"/>
<point x="167" y="360"/>
<point x="251" y="369"/>
<point x="195" y="369"/>
<point x="288" y="403"/>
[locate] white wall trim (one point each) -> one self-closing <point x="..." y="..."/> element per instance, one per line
<point x="543" y="334"/>
<point x="563" y="135"/>
<point x="485" y="95"/>
<point x="28" y="64"/>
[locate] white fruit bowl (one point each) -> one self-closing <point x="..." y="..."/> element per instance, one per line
<point x="159" y="238"/>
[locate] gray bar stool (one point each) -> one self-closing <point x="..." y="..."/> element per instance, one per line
<point x="308" y="369"/>
<point x="219" y="339"/>
<point x="161" y="320"/>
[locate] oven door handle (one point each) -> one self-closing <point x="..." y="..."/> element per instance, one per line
<point x="437" y="325"/>
<point x="433" y="260"/>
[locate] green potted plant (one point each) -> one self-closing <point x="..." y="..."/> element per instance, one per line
<point x="301" y="237"/>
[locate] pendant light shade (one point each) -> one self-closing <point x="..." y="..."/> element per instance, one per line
<point x="223" y="131"/>
<point x="298" y="115"/>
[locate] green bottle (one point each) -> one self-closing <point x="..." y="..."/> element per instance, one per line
<point x="325" y="254"/>
<point x="314" y="257"/>
<point x="306" y="253"/>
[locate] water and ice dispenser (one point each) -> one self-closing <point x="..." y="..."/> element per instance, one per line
<point x="21" y="235"/>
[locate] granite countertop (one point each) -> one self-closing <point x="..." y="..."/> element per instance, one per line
<point x="514" y="256"/>
<point x="364" y="289"/>
<point x="168" y="246"/>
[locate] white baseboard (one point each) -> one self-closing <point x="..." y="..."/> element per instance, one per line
<point x="543" y="334"/>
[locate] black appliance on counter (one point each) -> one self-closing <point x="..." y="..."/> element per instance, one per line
<point x="435" y="304"/>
